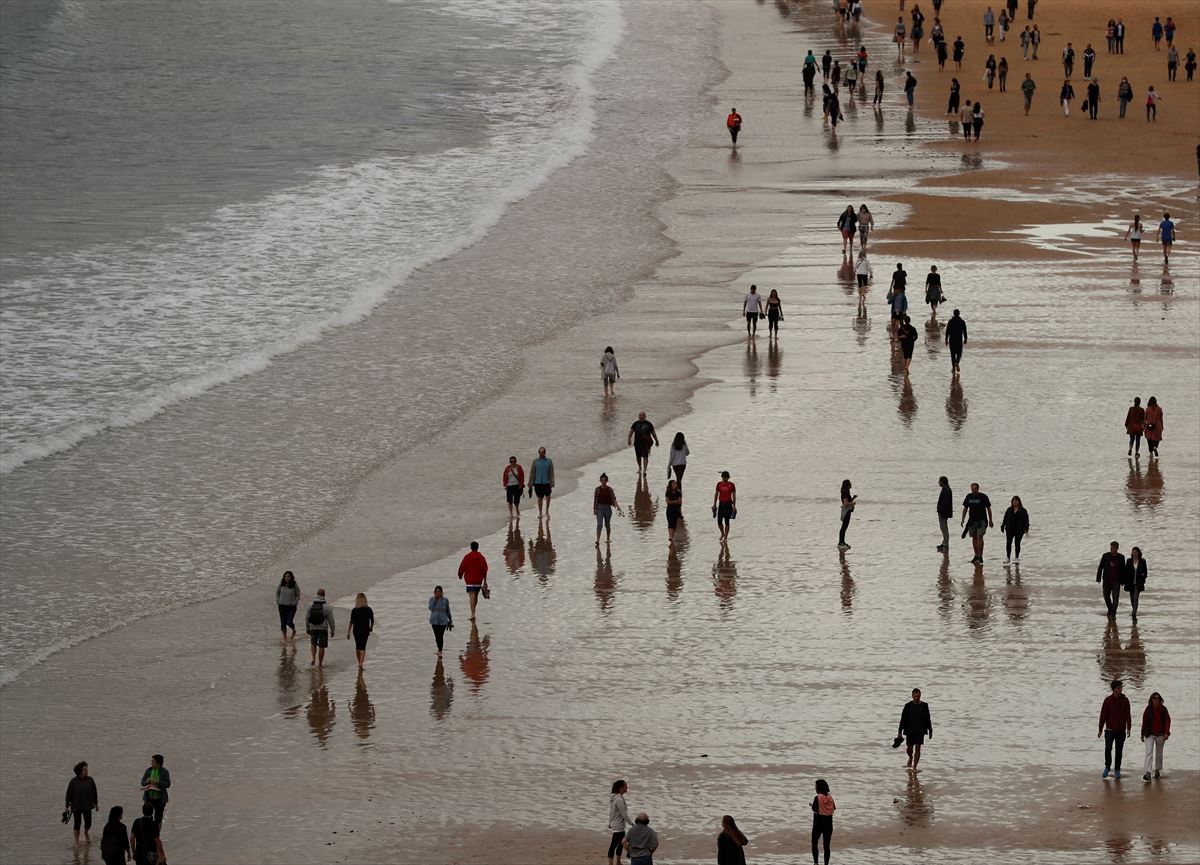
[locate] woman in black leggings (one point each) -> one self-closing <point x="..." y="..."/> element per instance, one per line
<point x="1014" y="525"/>
<point x="847" y="510"/>
<point x="823" y="808"/>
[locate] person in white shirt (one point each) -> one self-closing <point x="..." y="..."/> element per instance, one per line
<point x="618" y="819"/>
<point x="863" y="271"/>
<point x="752" y="309"/>
<point x="677" y="461"/>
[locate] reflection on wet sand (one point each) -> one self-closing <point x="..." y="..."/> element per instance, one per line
<point x="675" y="562"/>
<point x="978" y="603"/>
<point x="907" y="406"/>
<point x="606" y="584"/>
<point x="441" y="693"/>
<point x="541" y="553"/>
<point x="362" y="710"/>
<point x="287" y="674"/>
<point x="1144" y="488"/>
<point x="1119" y="848"/>
<point x="848" y="588"/>
<point x="846" y="274"/>
<point x="474" y="659"/>
<point x="725" y="579"/>
<point x="945" y="588"/>
<point x="642" y="512"/>
<point x="774" y="360"/>
<point x="1016" y="596"/>
<point x="751" y="365"/>
<point x="916" y="809"/>
<point x="514" y="549"/>
<point x="321" y="713"/>
<point x="933" y="335"/>
<point x="1126" y="662"/>
<point x="862" y="320"/>
<point x="608" y="414"/>
<point x="956" y="405"/>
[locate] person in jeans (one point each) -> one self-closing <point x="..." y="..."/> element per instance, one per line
<point x="1015" y="525"/>
<point x="1135" y="577"/>
<point x="604" y="500"/>
<point x="1116" y="723"/>
<point x="1111" y="573"/>
<point x="945" y="510"/>
<point x="155" y="782"/>
<point x="641" y="841"/>
<point x="287" y="598"/>
<point x="1156" y="729"/>
<point x="82" y="800"/>
<point x="439" y="617"/>
<point x="915" y="725"/>
<point x="618" y="819"/>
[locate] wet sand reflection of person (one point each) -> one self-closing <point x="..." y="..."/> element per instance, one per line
<point x="1119" y="847"/>
<point x="362" y="710"/>
<point x="321" y="713"/>
<point x="933" y="336"/>
<point x="441" y="693"/>
<point x="641" y="515"/>
<point x="907" y="406"/>
<point x="675" y="563"/>
<point x="846" y="275"/>
<point x="1122" y="662"/>
<point x="945" y="589"/>
<point x="848" y="588"/>
<point x="514" y="550"/>
<point x="287" y="674"/>
<point x="774" y="361"/>
<point x="608" y="415"/>
<point x="1016" y="596"/>
<point x="605" y="584"/>
<point x="956" y="405"/>
<point x="862" y="320"/>
<point x="1144" y="488"/>
<point x="916" y="809"/>
<point x="473" y="660"/>
<point x="751" y="366"/>
<point x="725" y="579"/>
<point x="978" y="603"/>
<point x="541" y="554"/>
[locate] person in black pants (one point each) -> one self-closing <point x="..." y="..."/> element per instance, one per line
<point x="1014" y="525"/>
<point x="822" y="808"/>
<point x="1093" y="94"/>
<point x="915" y="725"/>
<point x="945" y="511"/>
<point x="955" y="89"/>
<point x="1111" y="572"/>
<point x="847" y="510"/>
<point x="956" y="338"/>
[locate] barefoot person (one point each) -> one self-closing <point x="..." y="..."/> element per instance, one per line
<point x="513" y="481"/>
<point x="362" y="623"/>
<point x="643" y="437"/>
<point x="915" y="725"/>
<point x="1135" y="425"/>
<point x="287" y="598"/>
<point x="1015" y="525"/>
<point x="724" y="504"/>
<point x="318" y="624"/>
<point x="933" y="289"/>
<point x="618" y="819"/>
<point x="156" y="781"/>
<point x="848" y="501"/>
<point x="734" y="124"/>
<point x="674" y="500"/>
<point x="822" y="827"/>
<point x="604" y="502"/>
<point x="956" y="338"/>
<point x="82" y="800"/>
<point x="1154" y="425"/>
<point x="752" y="309"/>
<point x="977" y="517"/>
<point x="1134" y="235"/>
<point x="1165" y="232"/>
<point x="1110" y="573"/>
<point x="945" y="511"/>
<point x="609" y="371"/>
<point x="1156" y="729"/>
<point x="907" y="334"/>
<point x="472" y="570"/>
<point x="440" y="618"/>
<point x="541" y="480"/>
<point x="1135" y="578"/>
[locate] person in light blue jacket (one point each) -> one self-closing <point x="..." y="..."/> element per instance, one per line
<point x="439" y="616"/>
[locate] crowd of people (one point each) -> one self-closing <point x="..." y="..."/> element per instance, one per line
<point x="140" y="843"/>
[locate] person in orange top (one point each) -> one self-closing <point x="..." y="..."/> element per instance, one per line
<point x="724" y="504"/>
<point x="472" y="570"/>
<point x="734" y="123"/>
<point x="1154" y="425"/>
<point x="1135" y="421"/>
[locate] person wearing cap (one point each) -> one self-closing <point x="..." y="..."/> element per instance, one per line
<point x="724" y="504"/>
<point x="1116" y="722"/>
<point x="1111" y="572"/>
<point x="915" y="725"/>
<point x="641" y="841"/>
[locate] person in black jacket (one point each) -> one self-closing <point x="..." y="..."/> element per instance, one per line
<point x="956" y="338"/>
<point x="1135" y="577"/>
<point x="1111" y="572"/>
<point x="114" y="843"/>
<point x="1014" y="525"/>
<point x="82" y="800"/>
<point x="915" y="725"/>
<point x="945" y="510"/>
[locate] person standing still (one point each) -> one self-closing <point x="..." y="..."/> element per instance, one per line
<point x="1135" y="423"/>
<point x="146" y="839"/>
<point x="1135" y="578"/>
<point x="1116" y="722"/>
<point x="730" y="843"/>
<point x="82" y="799"/>
<point x="915" y="725"/>
<point x="978" y="508"/>
<point x="156" y="780"/>
<point x="541" y="481"/>
<point x="945" y="511"/>
<point x="1111" y="573"/>
<point x="1156" y="729"/>
<point x="318" y="624"/>
<point x="822" y="807"/>
<point x="1154" y="425"/>
<point x="643" y="437"/>
<point x="513" y="481"/>
<point x="848" y="501"/>
<point x="1015" y="524"/>
<point x="956" y="338"/>
<point x="287" y="599"/>
<point x="440" y="618"/>
<point x="724" y="505"/>
<point x="618" y="819"/>
<point x="734" y="124"/>
<point x="1089" y="58"/>
<point x="641" y="841"/>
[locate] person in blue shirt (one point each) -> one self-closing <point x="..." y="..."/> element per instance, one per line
<point x="1166" y="231"/>
<point x="541" y="480"/>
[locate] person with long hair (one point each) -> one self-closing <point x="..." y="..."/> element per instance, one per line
<point x="287" y="598"/>
<point x="1154" y="425"/>
<point x="822" y="808"/>
<point x="1135" y="577"/>
<point x="847" y="509"/>
<point x="604" y="501"/>
<point x="775" y="312"/>
<point x="724" y="504"/>
<point x="952" y="106"/>
<point x="362" y="623"/>
<point x="114" y="843"/>
<point x="1134" y="234"/>
<point x="1135" y="425"/>
<point x="677" y="459"/>
<point x="730" y="843"/>
<point x="618" y="819"/>
<point x="440" y="618"/>
<point x="1156" y="729"/>
<point x="866" y="224"/>
<point x="674" y="499"/>
<point x="847" y="224"/>
<point x="1015" y="524"/>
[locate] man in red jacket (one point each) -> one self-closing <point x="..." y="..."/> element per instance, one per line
<point x="1116" y="722"/>
<point x="472" y="570"/>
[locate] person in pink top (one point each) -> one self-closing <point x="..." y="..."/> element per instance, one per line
<point x="472" y="570"/>
<point x="1154" y="425"/>
<point x="823" y="808"/>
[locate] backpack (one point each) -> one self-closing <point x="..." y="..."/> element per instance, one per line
<point x="316" y="614"/>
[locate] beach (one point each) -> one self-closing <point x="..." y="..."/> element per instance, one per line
<point x="714" y="680"/>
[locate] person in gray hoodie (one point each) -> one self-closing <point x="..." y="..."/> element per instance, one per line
<point x="287" y="598"/>
<point x="318" y="624"/>
<point x="641" y="841"/>
<point x="618" y="819"/>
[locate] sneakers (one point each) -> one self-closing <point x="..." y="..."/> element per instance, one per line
<point x="1007" y="561"/>
<point x="843" y="546"/>
<point x="1117" y="774"/>
<point x="1104" y="774"/>
<point x="1146" y="777"/>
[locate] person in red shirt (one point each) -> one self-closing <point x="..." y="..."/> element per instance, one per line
<point x="1156" y="729"/>
<point x="1116" y="723"/>
<point x="472" y="570"/>
<point x="724" y="504"/>
<point x="734" y="123"/>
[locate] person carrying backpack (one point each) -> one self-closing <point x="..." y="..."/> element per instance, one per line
<point x="318" y="624"/>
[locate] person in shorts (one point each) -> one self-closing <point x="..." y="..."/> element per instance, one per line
<point x="977" y="517"/>
<point x="541" y="480"/>
<point x="318" y="624"/>
<point x="513" y="480"/>
<point x="472" y="570"/>
<point x="752" y="308"/>
<point x="908" y="340"/>
<point x="643" y="437"/>
<point x="724" y="504"/>
<point x="915" y="725"/>
<point x="1166" y="231"/>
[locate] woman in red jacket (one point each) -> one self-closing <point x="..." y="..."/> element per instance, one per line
<point x="513" y="480"/>
<point x="1156" y="729"/>
<point x="1135" y="424"/>
<point x="1154" y="425"/>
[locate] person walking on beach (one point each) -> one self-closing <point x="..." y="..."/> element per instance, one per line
<point x="641" y="841"/>
<point x="1124" y="97"/>
<point x="1116" y="722"/>
<point x="730" y="843"/>
<point x="145" y="839"/>
<point x="287" y="599"/>
<point x="1035" y="40"/>
<point x="1189" y="64"/>
<point x="1154" y="425"/>
<point x="1156" y="32"/>
<point x="847" y="224"/>
<point x="945" y="511"/>
<point x="1015" y="525"/>
<point x="852" y="79"/>
<point x="866" y="224"/>
<point x="674" y="500"/>
<point x="1152" y="100"/>
<point x="1165" y="231"/>
<point x="942" y="54"/>
<point x="1172" y="63"/>
<point x="1026" y="39"/>
<point x="907" y="334"/>
<point x="1089" y="58"/>
<point x="899" y="301"/>
<point x="989" y="70"/>
<point x="1135" y="425"/>
<point x="82" y="800"/>
<point x="156" y="781"/>
<point x="834" y="109"/>
<point x="1068" y="60"/>
<point x="952" y="104"/>
<point x="977" y="518"/>
<point x="114" y="842"/>
<point x="752" y="309"/>
<point x="513" y="481"/>
<point x="440" y="618"/>
<point x="835" y="75"/>
<point x="1065" y="95"/>
<point x="915" y="725"/>
<point x="473" y="570"/>
<point x="848" y="501"/>
<point x="1027" y="88"/>
<point x="1111" y="574"/>
<point x="910" y="87"/>
<point x="822" y="828"/>
<point x="1120" y="36"/>
<point x="1156" y="729"/>
<point x="1002" y="74"/>
<point x="1169" y="31"/>
<point x="677" y="459"/>
<point x="977" y="119"/>
<point x="933" y="289"/>
<point x="899" y="37"/>
<point x="774" y="314"/>
<point x="809" y="74"/>
<point x="643" y="437"/>
<point x="362" y="623"/>
<point x="878" y="100"/>
<point x="862" y="270"/>
<point x="618" y="819"/>
<point x="989" y="25"/>
<point x="960" y="48"/>
<point x="541" y="480"/>
<point x="956" y="338"/>
<point x="826" y="65"/>
<point x="897" y="289"/>
<point x="609" y="371"/>
<point x="318" y="624"/>
<point x="724" y="504"/>
<point x="604" y="501"/>
<point x="734" y="124"/>
<point x="1093" y="98"/>
<point x="964" y="120"/>
<point x="1135" y="578"/>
